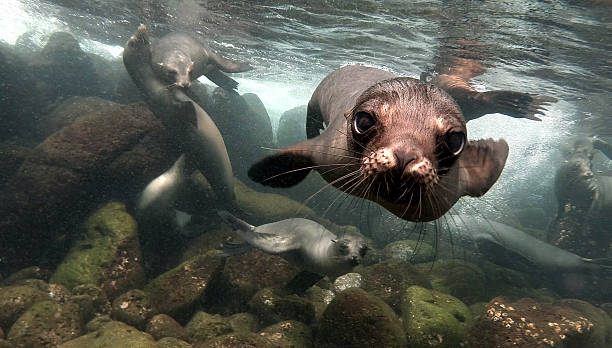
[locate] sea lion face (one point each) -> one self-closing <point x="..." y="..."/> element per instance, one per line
<point x="409" y="136"/>
<point x="175" y="68"/>
<point x="350" y="248"/>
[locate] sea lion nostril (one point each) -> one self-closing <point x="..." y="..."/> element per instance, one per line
<point x="404" y="158"/>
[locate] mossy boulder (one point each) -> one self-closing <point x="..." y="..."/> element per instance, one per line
<point x="244" y="275"/>
<point x="208" y="241"/>
<point x="529" y="323"/>
<point x="288" y="333"/>
<point x="172" y="342"/>
<point x="235" y="340"/>
<point x="33" y="272"/>
<point x="133" y="308"/>
<point x="601" y="332"/>
<point x="320" y="298"/>
<point x="271" y="306"/>
<point x="204" y="326"/>
<point x="107" y="254"/>
<point x="243" y="322"/>
<point x="432" y="318"/>
<point x="15" y="300"/>
<point x="163" y="325"/>
<point x="462" y="279"/>
<point x="97" y="323"/>
<point x="409" y="250"/>
<point x="389" y="279"/>
<point x="355" y="318"/>
<point x="47" y="324"/>
<point x="112" y="334"/>
<point x="180" y="291"/>
<point x="100" y="302"/>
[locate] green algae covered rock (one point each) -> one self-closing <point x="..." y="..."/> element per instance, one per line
<point x="235" y="340"/>
<point x="172" y="342"/>
<point x="33" y="272"/>
<point x="432" y="318"/>
<point x="133" y="308"/>
<point x="163" y="325"/>
<point x="409" y="250"/>
<point x="112" y="334"/>
<point x="271" y="306"/>
<point x="97" y="323"/>
<point x="355" y="318"/>
<point x="107" y="254"/>
<point x="243" y="322"/>
<point x="204" y="326"/>
<point x="320" y="298"/>
<point x="46" y="324"/>
<point x="182" y="289"/>
<point x="462" y="279"/>
<point x="389" y="279"/>
<point x="288" y="333"/>
<point x="101" y="304"/>
<point x="15" y="300"/>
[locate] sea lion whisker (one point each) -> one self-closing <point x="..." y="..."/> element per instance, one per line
<point x="365" y="147"/>
<point x="353" y="185"/>
<point x="335" y="165"/>
<point x="319" y="152"/>
<point x="354" y="173"/>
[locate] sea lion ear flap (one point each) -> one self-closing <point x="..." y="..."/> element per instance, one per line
<point x="481" y="164"/>
<point x="285" y="168"/>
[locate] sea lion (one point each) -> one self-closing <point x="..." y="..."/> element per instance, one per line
<point x="178" y="59"/>
<point x="393" y="140"/>
<point x="513" y="248"/>
<point x="455" y="67"/>
<point x="201" y="143"/>
<point x="584" y="200"/>
<point x="305" y="244"/>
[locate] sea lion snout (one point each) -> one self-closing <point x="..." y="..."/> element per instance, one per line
<point x="404" y="164"/>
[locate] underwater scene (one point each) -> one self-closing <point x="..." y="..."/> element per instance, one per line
<point x="310" y="173"/>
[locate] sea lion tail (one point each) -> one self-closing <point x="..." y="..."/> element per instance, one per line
<point x="234" y="222"/>
<point x="604" y="262"/>
<point x="514" y="104"/>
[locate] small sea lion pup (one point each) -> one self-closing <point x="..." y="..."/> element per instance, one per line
<point x="178" y="59"/>
<point x="393" y="140"/>
<point x="305" y="244"/>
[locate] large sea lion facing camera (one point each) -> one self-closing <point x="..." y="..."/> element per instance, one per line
<point x="393" y="140"/>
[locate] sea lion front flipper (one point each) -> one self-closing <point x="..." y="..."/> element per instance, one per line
<point x="302" y="282"/>
<point x="221" y="80"/>
<point x="514" y="104"/>
<point x="285" y="168"/>
<point x="229" y="65"/>
<point x="481" y="164"/>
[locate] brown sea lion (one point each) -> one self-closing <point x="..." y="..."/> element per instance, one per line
<point x="178" y="59"/>
<point x="393" y="140"/>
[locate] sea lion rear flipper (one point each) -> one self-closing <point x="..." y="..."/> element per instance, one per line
<point x="233" y="248"/>
<point x="229" y="65"/>
<point x="285" y="168"/>
<point x="221" y="80"/>
<point x="302" y="282"/>
<point x="234" y="222"/>
<point x="514" y="104"/>
<point x="481" y="164"/>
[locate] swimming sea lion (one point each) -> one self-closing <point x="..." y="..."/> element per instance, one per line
<point x="393" y="140"/>
<point x="513" y="248"/>
<point x="201" y="143"/>
<point x="178" y="59"/>
<point x="305" y="244"/>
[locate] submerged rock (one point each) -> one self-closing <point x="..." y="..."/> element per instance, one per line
<point x="163" y="325"/>
<point x="271" y="306"/>
<point x="435" y="319"/>
<point x="111" y="151"/>
<point x="70" y="110"/>
<point x="243" y="322"/>
<point x="182" y="290"/>
<point x="107" y="254"/>
<point x="15" y="300"/>
<point x="112" y="334"/>
<point x="409" y="250"/>
<point x="204" y="326"/>
<point x="288" y="333"/>
<point x="460" y="278"/>
<point x="528" y="323"/>
<point x="33" y="272"/>
<point x="246" y="274"/>
<point x="389" y="279"/>
<point x="47" y="324"/>
<point x="133" y="308"/>
<point x="172" y="342"/>
<point x="234" y="340"/>
<point x="101" y="304"/>
<point x="291" y="127"/>
<point x="347" y="281"/>
<point x="357" y="319"/>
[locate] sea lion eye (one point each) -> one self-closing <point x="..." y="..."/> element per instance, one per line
<point x="363" y="122"/>
<point x="455" y="142"/>
<point x="363" y="250"/>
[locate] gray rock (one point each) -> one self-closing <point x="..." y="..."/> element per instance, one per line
<point x="291" y="127"/>
<point x="347" y="281"/>
<point x="409" y="250"/>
